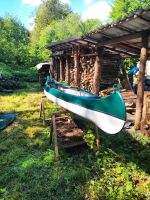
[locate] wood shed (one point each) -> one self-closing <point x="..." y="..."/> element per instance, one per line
<point x="94" y="60"/>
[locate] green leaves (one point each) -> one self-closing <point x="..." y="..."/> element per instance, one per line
<point x="48" y="11"/>
<point x="122" y="8"/>
<point x="14" y="42"/>
<point x="89" y="138"/>
<point x="128" y="186"/>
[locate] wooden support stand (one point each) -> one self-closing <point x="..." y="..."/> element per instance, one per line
<point x="53" y="132"/>
<point x="63" y="131"/>
<point x="42" y="111"/>
<point x="97" y="138"/>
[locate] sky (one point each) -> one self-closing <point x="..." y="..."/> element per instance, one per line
<point x="25" y="9"/>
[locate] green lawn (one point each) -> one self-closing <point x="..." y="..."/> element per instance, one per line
<point x="28" y="171"/>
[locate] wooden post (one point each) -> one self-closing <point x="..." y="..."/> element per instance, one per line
<point x="54" y="68"/>
<point x="97" y="138"/>
<point x="67" y="70"/>
<point x="42" y="109"/>
<point x="61" y="70"/>
<point x="76" y="68"/>
<point x="57" y="62"/>
<point x="97" y="71"/>
<point x="55" y="137"/>
<point x="141" y="77"/>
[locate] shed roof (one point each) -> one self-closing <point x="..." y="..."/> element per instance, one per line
<point x="123" y="36"/>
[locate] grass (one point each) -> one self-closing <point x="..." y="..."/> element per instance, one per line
<point x="28" y="171"/>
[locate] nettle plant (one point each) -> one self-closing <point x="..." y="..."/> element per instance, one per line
<point x="89" y="138"/>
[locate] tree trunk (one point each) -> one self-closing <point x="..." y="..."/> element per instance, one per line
<point x="97" y="71"/>
<point x="141" y="77"/>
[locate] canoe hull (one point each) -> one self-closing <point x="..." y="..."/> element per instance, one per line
<point x="105" y="122"/>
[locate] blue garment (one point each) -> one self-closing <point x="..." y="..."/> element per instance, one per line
<point x="132" y="70"/>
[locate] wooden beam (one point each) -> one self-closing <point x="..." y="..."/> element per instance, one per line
<point x="97" y="71"/>
<point x="127" y="48"/>
<point x="122" y="38"/>
<point x="131" y="47"/>
<point x="119" y="51"/>
<point x="141" y="77"/>
<point x="119" y="26"/>
<point x="86" y="55"/>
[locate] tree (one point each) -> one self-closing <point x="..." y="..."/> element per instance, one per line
<point x="14" y="42"/>
<point x="49" y="11"/>
<point x="90" y="25"/>
<point x="70" y="26"/>
<point x="122" y="8"/>
<point x="62" y="29"/>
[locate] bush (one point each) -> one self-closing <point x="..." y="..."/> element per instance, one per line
<point x="15" y="79"/>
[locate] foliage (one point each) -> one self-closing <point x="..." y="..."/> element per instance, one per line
<point x="5" y="69"/>
<point x="122" y="8"/>
<point x="13" y="42"/>
<point x="119" y="170"/>
<point x="35" y="54"/>
<point x="15" y="79"/>
<point x="48" y="11"/>
<point x="62" y="29"/>
<point x="53" y="22"/>
<point x="89" y="138"/>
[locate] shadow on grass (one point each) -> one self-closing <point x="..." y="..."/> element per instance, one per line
<point x="131" y="149"/>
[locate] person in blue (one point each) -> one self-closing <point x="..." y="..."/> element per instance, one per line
<point x="131" y="73"/>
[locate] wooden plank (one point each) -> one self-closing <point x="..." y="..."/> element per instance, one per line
<point x="73" y="144"/>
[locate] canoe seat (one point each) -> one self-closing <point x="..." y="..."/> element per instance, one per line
<point x="78" y="92"/>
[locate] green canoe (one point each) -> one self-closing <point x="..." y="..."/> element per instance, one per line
<point x="108" y="113"/>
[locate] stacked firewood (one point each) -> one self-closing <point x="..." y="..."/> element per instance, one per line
<point x="145" y="124"/>
<point x="109" y="72"/>
<point x="87" y="73"/>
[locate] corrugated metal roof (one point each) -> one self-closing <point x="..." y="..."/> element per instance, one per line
<point x="133" y="25"/>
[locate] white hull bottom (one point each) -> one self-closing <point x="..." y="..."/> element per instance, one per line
<point x="107" y="123"/>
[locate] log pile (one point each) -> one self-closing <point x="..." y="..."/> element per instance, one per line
<point x="87" y="73"/>
<point x="145" y="124"/>
<point x="130" y="102"/>
<point x="110" y="72"/>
